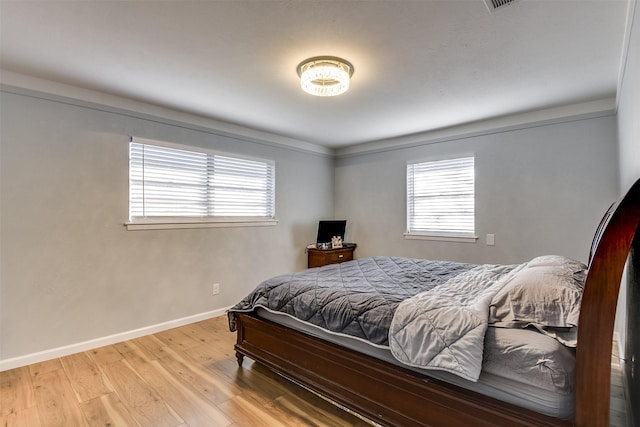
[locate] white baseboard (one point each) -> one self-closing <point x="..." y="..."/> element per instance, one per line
<point x="41" y="356"/>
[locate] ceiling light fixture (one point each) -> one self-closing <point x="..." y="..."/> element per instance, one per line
<point x="325" y="75"/>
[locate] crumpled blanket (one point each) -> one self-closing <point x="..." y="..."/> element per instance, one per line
<point x="444" y="328"/>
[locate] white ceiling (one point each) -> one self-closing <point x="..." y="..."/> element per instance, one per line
<point x="419" y="65"/>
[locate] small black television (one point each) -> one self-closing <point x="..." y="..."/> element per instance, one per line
<point x="329" y="228"/>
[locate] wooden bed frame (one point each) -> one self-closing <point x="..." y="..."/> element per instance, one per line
<point x="392" y="396"/>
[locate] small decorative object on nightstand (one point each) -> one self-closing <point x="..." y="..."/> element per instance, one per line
<point x="319" y="257"/>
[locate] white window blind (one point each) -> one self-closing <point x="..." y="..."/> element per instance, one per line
<point x="171" y="182"/>
<point x="441" y="197"/>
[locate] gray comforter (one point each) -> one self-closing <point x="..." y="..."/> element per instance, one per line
<point x="357" y="298"/>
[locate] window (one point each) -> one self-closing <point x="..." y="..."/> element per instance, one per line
<point x="441" y="199"/>
<point x="176" y="186"/>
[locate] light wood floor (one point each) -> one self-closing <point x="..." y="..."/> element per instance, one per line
<point x="182" y="377"/>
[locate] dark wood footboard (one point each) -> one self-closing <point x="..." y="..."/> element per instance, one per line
<point x="382" y="392"/>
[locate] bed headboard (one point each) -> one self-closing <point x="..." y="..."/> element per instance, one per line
<point x="631" y="356"/>
<point x="611" y="248"/>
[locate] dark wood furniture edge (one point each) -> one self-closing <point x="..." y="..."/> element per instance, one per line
<point x="598" y="311"/>
<point x="382" y="392"/>
<point x="630" y="357"/>
<point x="393" y="396"/>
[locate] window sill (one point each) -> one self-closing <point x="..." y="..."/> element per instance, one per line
<point x="180" y="223"/>
<point x="460" y="238"/>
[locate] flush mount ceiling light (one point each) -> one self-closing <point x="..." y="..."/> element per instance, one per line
<point x="325" y="75"/>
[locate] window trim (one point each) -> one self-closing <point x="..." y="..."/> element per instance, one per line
<point x="169" y="223"/>
<point x="189" y="222"/>
<point x="466" y="238"/>
<point x="443" y="236"/>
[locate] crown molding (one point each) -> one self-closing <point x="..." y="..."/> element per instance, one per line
<point x="567" y="113"/>
<point x="22" y="84"/>
<point x="628" y="29"/>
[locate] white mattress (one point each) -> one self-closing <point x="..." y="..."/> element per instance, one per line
<point x="502" y="377"/>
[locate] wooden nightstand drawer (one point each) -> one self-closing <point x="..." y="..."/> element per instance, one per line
<point x="320" y="257"/>
<point x="339" y="256"/>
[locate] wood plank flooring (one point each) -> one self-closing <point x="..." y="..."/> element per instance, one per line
<point x="185" y="377"/>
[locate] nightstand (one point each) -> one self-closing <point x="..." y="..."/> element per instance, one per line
<point x="319" y="257"/>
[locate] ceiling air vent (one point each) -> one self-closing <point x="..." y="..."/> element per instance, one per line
<point x="494" y="5"/>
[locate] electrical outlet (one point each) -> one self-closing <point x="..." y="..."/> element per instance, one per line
<point x="491" y="239"/>
<point x="215" y="288"/>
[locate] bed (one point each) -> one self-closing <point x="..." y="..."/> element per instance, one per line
<point x="379" y="359"/>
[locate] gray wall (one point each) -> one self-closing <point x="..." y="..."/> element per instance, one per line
<point x="71" y="272"/>
<point x="629" y="109"/>
<point x="629" y="142"/>
<point x="540" y="190"/>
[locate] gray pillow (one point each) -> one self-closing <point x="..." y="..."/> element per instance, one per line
<point x="545" y="294"/>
